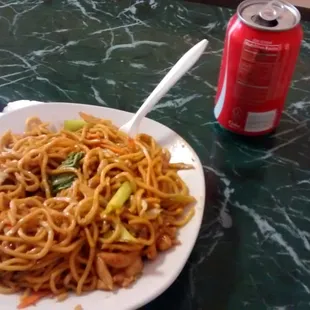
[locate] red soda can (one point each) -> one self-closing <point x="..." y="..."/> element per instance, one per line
<point x="261" y="49"/>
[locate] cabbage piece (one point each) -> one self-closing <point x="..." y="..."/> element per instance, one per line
<point x="74" y="124"/>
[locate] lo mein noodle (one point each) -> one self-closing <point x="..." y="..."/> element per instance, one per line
<point x="83" y="207"/>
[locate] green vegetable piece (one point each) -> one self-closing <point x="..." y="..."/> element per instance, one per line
<point x="64" y="180"/>
<point x="119" y="198"/>
<point x="74" y="124"/>
<point x="61" y="181"/>
<point x="125" y="235"/>
<point x="73" y="160"/>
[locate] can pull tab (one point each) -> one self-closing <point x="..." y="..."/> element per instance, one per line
<point x="272" y="10"/>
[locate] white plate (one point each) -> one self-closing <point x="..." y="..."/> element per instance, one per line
<point x="158" y="275"/>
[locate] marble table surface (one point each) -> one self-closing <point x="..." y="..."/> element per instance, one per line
<point x="253" y="251"/>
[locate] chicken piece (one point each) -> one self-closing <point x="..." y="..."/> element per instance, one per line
<point x="151" y="252"/>
<point x="118" y="260"/>
<point x="121" y="280"/>
<point x="135" y="268"/>
<point x="32" y="123"/>
<point x="128" y="275"/>
<point x="171" y="231"/>
<point x="164" y="243"/>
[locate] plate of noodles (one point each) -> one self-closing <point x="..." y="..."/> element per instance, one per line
<point x="89" y="217"/>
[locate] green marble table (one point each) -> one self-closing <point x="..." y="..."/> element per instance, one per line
<point x="253" y="251"/>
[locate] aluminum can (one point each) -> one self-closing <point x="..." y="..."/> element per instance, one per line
<point x="261" y="49"/>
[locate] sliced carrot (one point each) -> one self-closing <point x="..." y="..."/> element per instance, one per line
<point x="112" y="148"/>
<point x="32" y="299"/>
<point x="131" y="143"/>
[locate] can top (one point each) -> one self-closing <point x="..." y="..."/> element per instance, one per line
<point x="276" y="15"/>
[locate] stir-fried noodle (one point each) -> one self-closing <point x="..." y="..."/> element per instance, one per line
<point x="83" y="207"/>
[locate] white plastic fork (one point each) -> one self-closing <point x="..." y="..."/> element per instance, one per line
<point x="178" y="70"/>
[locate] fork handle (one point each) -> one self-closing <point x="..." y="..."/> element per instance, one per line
<point x="178" y="70"/>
